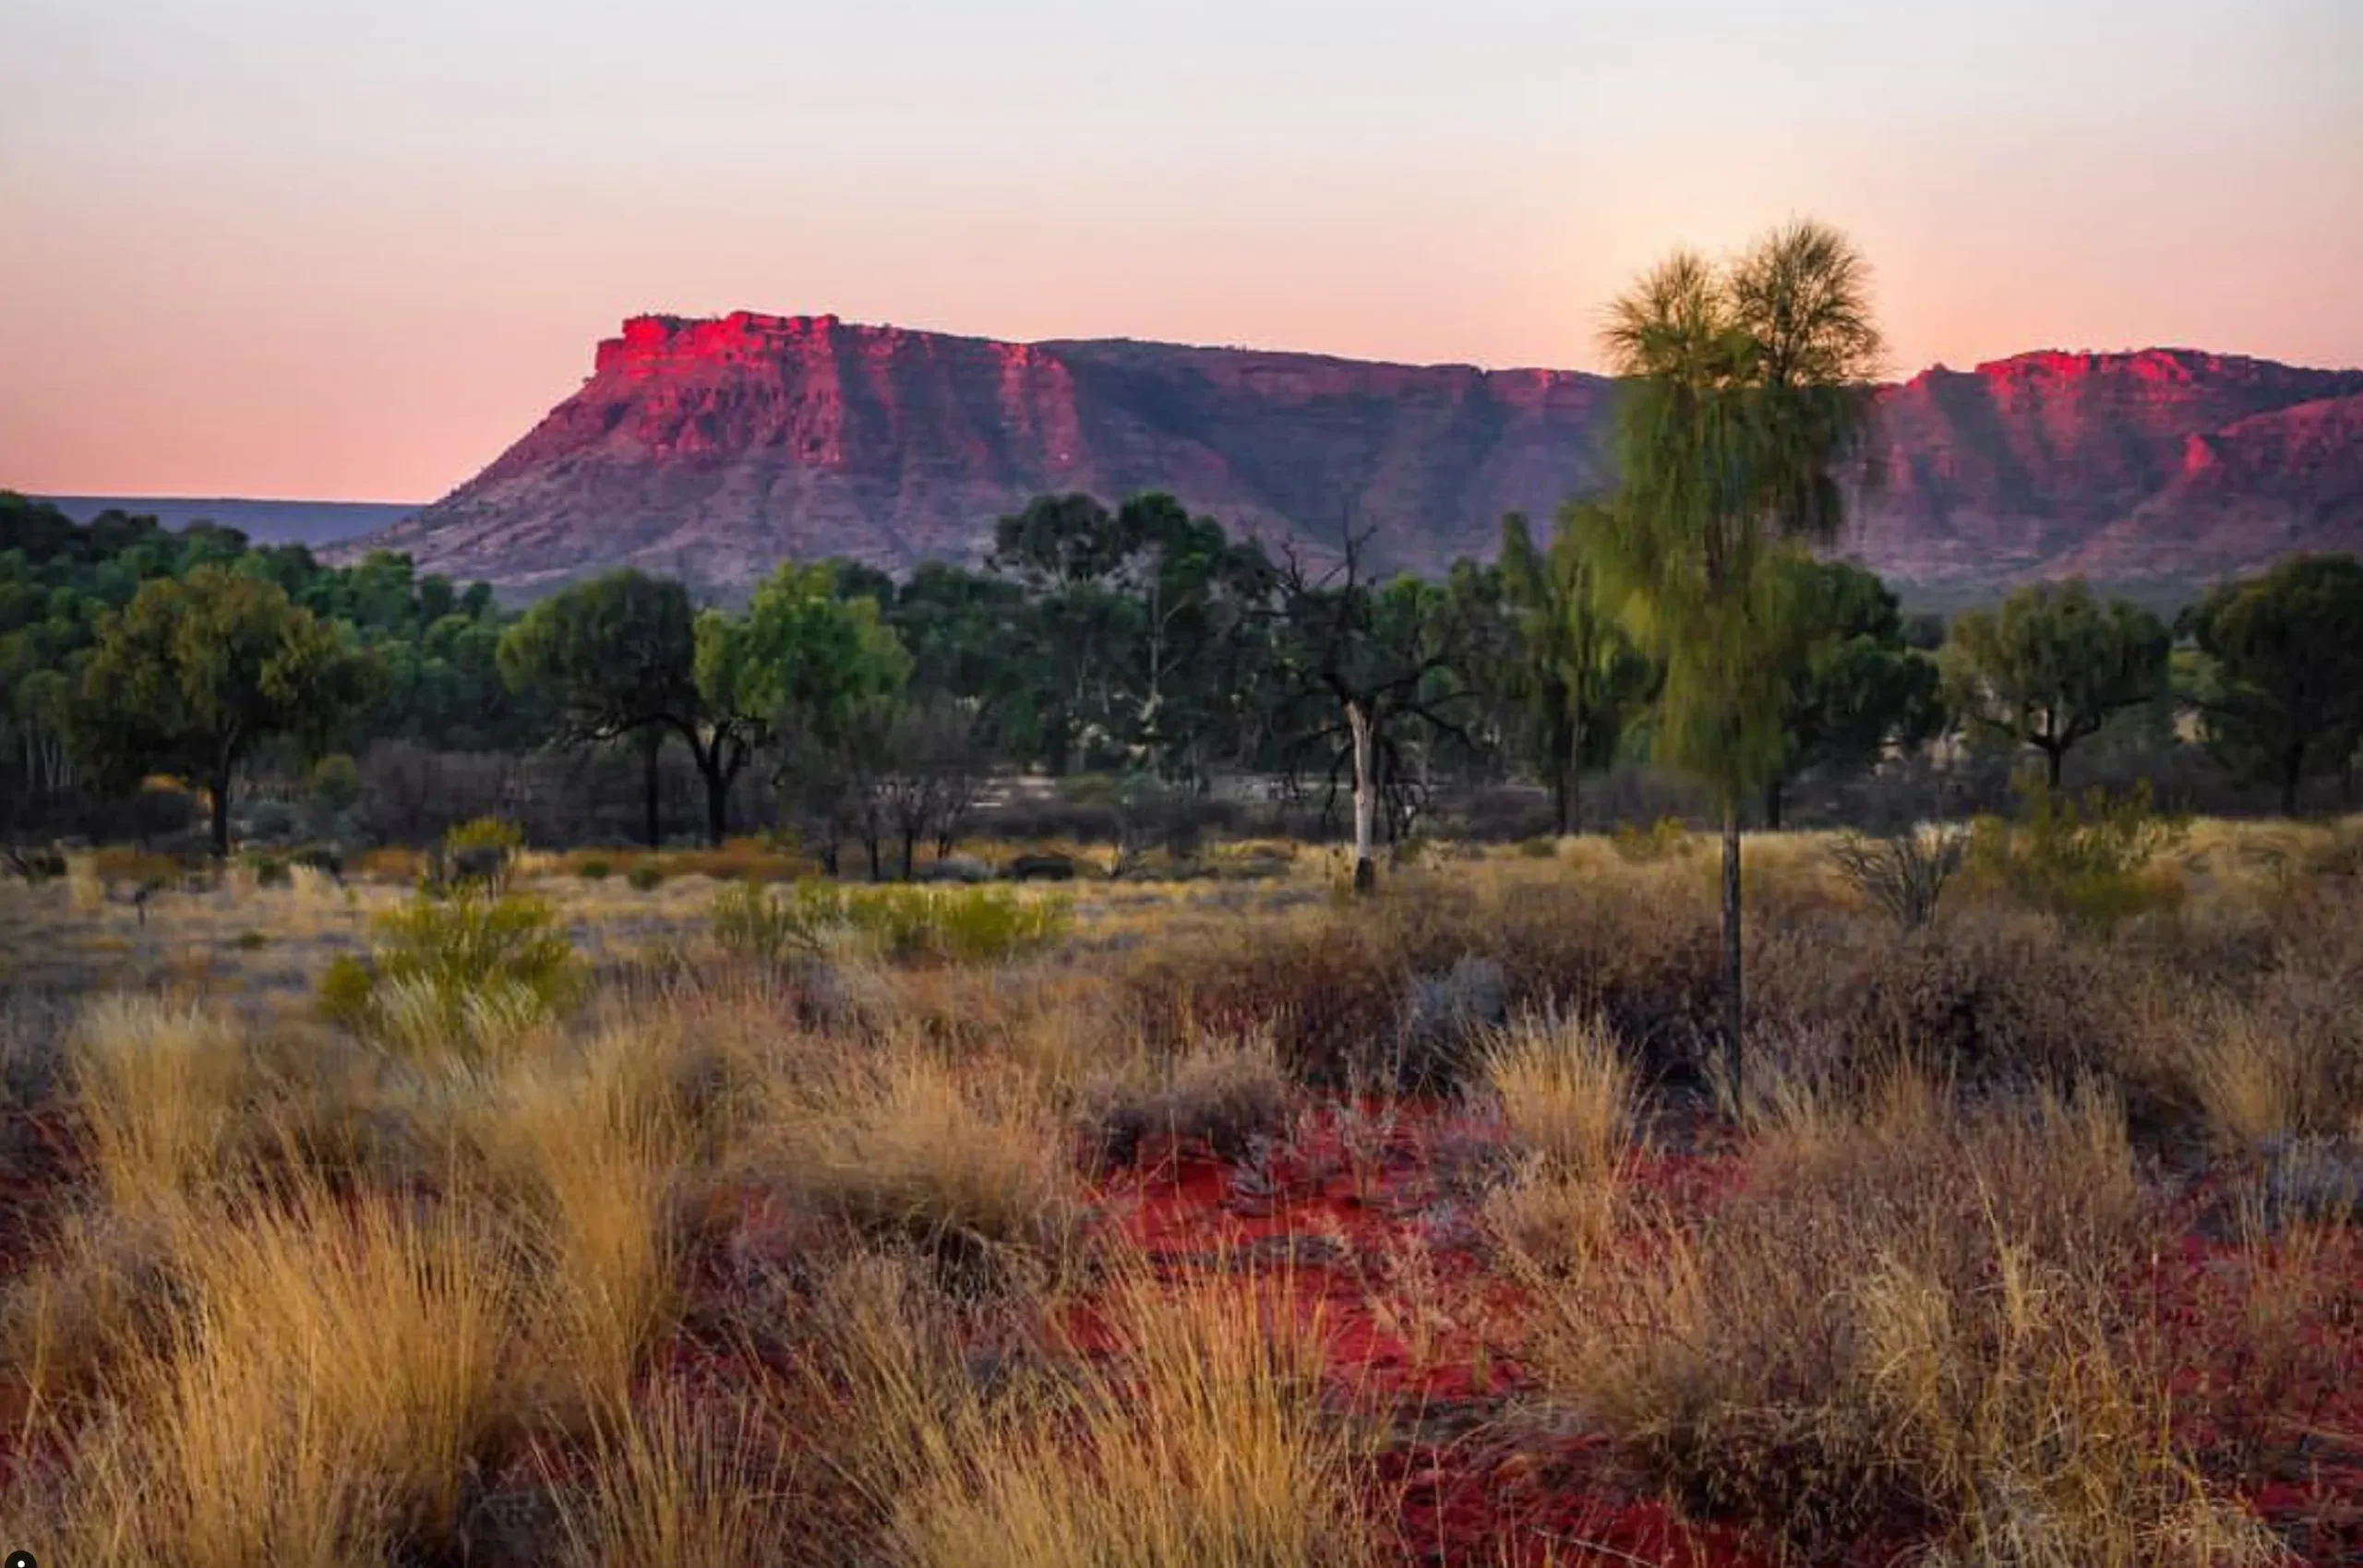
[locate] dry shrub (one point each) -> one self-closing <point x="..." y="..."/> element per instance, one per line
<point x="973" y="1168"/>
<point x="1217" y="1092"/>
<point x="1923" y="1325"/>
<point x="1989" y="996"/>
<point x="1634" y="943"/>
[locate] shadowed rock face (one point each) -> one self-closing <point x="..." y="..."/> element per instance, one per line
<point x="712" y="449"/>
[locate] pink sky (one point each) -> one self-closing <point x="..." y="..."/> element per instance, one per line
<point x="301" y="248"/>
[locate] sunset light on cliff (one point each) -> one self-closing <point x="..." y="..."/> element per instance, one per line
<point x="283" y="248"/>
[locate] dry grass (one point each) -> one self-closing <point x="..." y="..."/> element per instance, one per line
<point x="1201" y="1443"/>
<point x="336" y="1372"/>
<point x="1568" y="1092"/>
<point x="974" y="1167"/>
<point x="1924" y="1322"/>
<point x="301" y="1301"/>
<point x="160" y="1088"/>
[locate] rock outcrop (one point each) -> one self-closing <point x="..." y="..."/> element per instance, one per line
<point x="711" y="449"/>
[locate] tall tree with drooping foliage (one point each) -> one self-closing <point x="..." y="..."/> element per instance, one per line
<point x="2281" y="690"/>
<point x="1747" y="388"/>
<point x="1578" y="677"/>
<point x="2051" y="665"/>
<point x="197" y="671"/>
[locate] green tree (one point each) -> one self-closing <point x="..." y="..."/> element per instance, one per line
<point x="1857" y="686"/>
<point x="2051" y="666"/>
<point x="2283" y="683"/>
<point x="1748" y="387"/>
<point x="195" y="672"/>
<point x="803" y="657"/>
<point x="619" y="656"/>
<point x="1580" y="679"/>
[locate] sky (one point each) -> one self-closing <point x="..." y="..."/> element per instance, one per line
<point x="348" y="249"/>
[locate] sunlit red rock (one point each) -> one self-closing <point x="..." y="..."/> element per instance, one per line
<point x="712" y="448"/>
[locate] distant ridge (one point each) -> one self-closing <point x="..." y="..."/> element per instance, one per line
<point x="316" y="524"/>
<point x="710" y="449"/>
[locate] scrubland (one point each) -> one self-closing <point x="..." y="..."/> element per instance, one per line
<point x="1230" y="1221"/>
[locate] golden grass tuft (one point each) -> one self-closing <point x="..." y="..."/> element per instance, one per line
<point x="336" y="1374"/>
<point x="159" y="1089"/>
<point x="1202" y="1445"/>
<point x="1567" y="1091"/>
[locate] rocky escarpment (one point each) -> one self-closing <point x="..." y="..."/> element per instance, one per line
<point x="712" y="448"/>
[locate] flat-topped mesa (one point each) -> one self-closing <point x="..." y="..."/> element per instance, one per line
<point x="2157" y="365"/>
<point x="742" y="337"/>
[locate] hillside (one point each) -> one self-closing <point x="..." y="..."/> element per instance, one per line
<point x="709" y="449"/>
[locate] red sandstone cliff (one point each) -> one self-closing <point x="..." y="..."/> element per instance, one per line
<point x="710" y="449"/>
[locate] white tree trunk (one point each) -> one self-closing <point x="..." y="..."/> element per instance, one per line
<point x="1365" y="797"/>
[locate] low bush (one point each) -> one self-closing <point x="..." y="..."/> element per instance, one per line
<point x="957" y="924"/>
<point x="749" y="921"/>
<point x="645" y="876"/>
<point x="463" y="972"/>
<point x="1661" y="840"/>
<point x="2089" y="861"/>
<point x="1929" y="1321"/>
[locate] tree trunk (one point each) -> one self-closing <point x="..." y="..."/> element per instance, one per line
<point x="1734" y="974"/>
<point x="651" y="784"/>
<point x="910" y="851"/>
<point x="1772" y="806"/>
<point x="219" y="788"/>
<point x="1563" y="779"/>
<point x="1365" y="797"/>
<point x="716" y="801"/>
<point x="2053" y="756"/>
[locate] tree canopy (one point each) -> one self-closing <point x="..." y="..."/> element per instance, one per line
<point x="2049" y="667"/>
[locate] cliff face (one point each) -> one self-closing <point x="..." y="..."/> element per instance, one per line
<point x="711" y="449"/>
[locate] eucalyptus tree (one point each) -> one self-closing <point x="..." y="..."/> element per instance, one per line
<point x="195" y="670"/>
<point x="2051" y="665"/>
<point x="1747" y="390"/>
<point x="2283" y="686"/>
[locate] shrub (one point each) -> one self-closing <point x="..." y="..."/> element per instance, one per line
<point x="1927" y="1318"/>
<point x="1220" y="1093"/>
<point x="269" y="871"/>
<point x="481" y="851"/>
<point x="251" y="941"/>
<point x="2088" y="861"/>
<point x="1661" y="840"/>
<point x="751" y="922"/>
<point x="594" y="870"/>
<point x="336" y="782"/>
<point x="464" y="971"/>
<point x="1905" y="873"/>
<point x="645" y="876"/>
<point x="946" y="924"/>
<point x="1539" y="848"/>
<point x="389" y="863"/>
